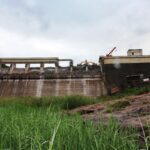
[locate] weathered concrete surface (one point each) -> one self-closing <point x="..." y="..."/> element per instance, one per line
<point x="125" y="59"/>
<point x="36" y="60"/>
<point x="118" y="71"/>
<point x="83" y="79"/>
<point x="53" y="87"/>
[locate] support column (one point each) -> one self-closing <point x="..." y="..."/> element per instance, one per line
<point x="87" y="69"/>
<point x="27" y="67"/>
<point x="71" y="66"/>
<point x="0" y="66"/>
<point x="86" y="65"/>
<point x="71" y="69"/>
<point x="12" y="67"/>
<point x="56" y="67"/>
<point x="42" y="67"/>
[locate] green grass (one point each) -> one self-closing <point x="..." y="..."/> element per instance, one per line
<point x="24" y="126"/>
<point x="61" y="102"/>
<point x="125" y="93"/>
<point x="30" y="123"/>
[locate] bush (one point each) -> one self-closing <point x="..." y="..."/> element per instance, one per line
<point x="60" y="102"/>
<point x="72" y="102"/>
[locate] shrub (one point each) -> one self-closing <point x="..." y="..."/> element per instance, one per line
<point x="61" y="102"/>
<point x="72" y="102"/>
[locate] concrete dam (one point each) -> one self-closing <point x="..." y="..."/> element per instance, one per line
<point x="45" y="80"/>
<point x="46" y="77"/>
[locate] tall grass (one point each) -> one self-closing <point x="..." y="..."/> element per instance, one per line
<point x="24" y="126"/>
<point x="61" y="102"/>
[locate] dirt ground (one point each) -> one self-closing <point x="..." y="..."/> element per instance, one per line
<point x="129" y="111"/>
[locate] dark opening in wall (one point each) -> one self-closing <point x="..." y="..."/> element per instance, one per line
<point x="5" y="66"/>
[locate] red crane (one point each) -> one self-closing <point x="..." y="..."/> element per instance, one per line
<point x="110" y="53"/>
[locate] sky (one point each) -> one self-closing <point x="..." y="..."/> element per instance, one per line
<point x="76" y="29"/>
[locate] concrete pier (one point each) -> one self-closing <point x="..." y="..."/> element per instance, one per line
<point x="42" y="67"/>
<point x="27" y="66"/>
<point x="12" y="67"/>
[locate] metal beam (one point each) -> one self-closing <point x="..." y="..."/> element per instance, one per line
<point x="29" y="60"/>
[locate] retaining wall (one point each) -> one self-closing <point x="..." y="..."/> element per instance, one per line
<point x="53" y="87"/>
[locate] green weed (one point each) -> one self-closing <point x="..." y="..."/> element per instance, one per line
<point x="24" y="126"/>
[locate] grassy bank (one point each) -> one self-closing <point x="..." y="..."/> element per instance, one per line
<point x="28" y="126"/>
<point x="60" y="102"/>
<point x="125" y="93"/>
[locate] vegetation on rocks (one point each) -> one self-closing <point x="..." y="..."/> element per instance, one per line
<point x="125" y="93"/>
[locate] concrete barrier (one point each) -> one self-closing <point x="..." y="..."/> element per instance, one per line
<point x="52" y="87"/>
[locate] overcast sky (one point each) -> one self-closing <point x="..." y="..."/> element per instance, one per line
<point x="77" y="29"/>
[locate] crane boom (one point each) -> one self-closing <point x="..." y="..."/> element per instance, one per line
<point x="109" y="54"/>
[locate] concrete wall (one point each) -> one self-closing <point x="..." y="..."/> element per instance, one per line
<point x="117" y="69"/>
<point x="52" y="87"/>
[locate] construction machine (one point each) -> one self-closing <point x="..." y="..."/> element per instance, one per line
<point x="110" y="53"/>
